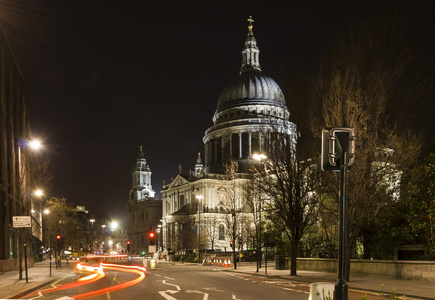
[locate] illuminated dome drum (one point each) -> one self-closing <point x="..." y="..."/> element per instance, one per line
<point x="247" y="109"/>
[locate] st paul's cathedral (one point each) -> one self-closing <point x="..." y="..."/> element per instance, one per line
<point x="193" y="213"/>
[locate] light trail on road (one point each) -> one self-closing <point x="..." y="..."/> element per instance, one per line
<point x="98" y="274"/>
<point x="123" y="268"/>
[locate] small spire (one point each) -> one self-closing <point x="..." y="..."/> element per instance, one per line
<point x="141" y="155"/>
<point x="198" y="166"/>
<point x="250" y="26"/>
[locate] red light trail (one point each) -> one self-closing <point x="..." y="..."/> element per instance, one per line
<point x="98" y="274"/>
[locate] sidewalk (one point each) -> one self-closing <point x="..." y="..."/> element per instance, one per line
<point x="38" y="276"/>
<point x="409" y="288"/>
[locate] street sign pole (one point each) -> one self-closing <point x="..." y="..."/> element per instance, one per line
<point x="338" y="154"/>
<point x="341" y="288"/>
<point x="49" y="253"/>
<point x="25" y="262"/>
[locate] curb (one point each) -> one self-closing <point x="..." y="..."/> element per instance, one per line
<point x="387" y="294"/>
<point x="22" y="294"/>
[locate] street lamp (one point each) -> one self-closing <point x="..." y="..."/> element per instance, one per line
<point x="46" y="212"/>
<point x="34" y="144"/>
<point x="114" y="225"/>
<point x="260" y="158"/>
<point x="92" y="234"/>
<point x="159" y="229"/>
<point x="38" y="193"/>
<point x="199" y="197"/>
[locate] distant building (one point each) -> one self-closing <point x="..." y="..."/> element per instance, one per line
<point x="14" y="131"/>
<point x="195" y="213"/>
<point x="144" y="211"/>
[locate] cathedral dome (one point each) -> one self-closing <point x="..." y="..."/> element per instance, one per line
<point x="251" y="88"/>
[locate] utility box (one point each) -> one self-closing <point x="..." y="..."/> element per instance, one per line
<point x="321" y="290"/>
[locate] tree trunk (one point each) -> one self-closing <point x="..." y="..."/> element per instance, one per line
<point x="293" y="260"/>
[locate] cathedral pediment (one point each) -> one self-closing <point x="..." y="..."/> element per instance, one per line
<point x="178" y="181"/>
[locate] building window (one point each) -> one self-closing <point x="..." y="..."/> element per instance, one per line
<point x="181" y="201"/>
<point x="221" y="232"/>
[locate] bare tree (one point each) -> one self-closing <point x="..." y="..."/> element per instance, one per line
<point x="290" y="180"/>
<point x="370" y="82"/>
<point x="211" y="230"/>
<point x="254" y="206"/>
<point x="232" y="191"/>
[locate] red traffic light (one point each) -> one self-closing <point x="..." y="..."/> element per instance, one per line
<point x="151" y="234"/>
<point x="58" y="237"/>
<point x="128" y="243"/>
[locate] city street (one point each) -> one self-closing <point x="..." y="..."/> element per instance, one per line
<point x="169" y="281"/>
<point x="174" y="282"/>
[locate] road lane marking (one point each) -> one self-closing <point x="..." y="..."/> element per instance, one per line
<point x="178" y="288"/>
<point x="213" y="289"/>
<point x="197" y="292"/>
<point x="234" y="297"/>
<point x="108" y="296"/>
<point x="168" y="297"/>
<point x="169" y="278"/>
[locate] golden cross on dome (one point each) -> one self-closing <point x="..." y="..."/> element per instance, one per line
<point x="250" y="20"/>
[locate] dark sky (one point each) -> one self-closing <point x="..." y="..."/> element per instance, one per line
<point x="106" y="76"/>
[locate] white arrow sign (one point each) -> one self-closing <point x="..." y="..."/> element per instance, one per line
<point x="21" y="221"/>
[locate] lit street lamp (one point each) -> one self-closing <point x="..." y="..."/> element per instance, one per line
<point x="34" y="144"/>
<point x="260" y="158"/>
<point x="199" y="197"/>
<point x="92" y="234"/>
<point x="46" y="212"/>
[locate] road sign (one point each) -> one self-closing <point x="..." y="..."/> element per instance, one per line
<point x="21" y="221"/>
<point x="336" y="141"/>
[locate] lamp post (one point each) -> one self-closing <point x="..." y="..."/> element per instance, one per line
<point x="199" y="197"/>
<point x="159" y="229"/>
<point x="259" y="158"/>
<point x="103" y="229"/>
<point x="46" y="212"/>
<point x="92" y="234"/>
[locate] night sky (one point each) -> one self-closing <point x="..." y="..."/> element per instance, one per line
<point x="105" y="77"/>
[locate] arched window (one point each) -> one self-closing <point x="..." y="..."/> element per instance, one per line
<point x="221" y="232"/>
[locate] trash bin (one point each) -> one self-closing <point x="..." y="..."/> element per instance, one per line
<point x="280" y="262"/>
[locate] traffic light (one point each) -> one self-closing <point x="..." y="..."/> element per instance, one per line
<point x="59" y="240"/>
<point x="231" y="244"/>
<point x="152" y="235"/>
<point x="128" y="245"/>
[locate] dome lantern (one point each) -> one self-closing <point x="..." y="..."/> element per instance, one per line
<point x="251" y="53"/>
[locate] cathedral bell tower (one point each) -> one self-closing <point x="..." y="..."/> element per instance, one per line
<point x="141" y="189"/>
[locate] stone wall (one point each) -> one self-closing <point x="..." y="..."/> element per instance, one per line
<point x="7" y="265"/>
<point x="409" y="270"/>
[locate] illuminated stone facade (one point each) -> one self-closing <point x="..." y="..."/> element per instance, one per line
<point x="248" y="110"/>
<point x="143" y="209"/>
